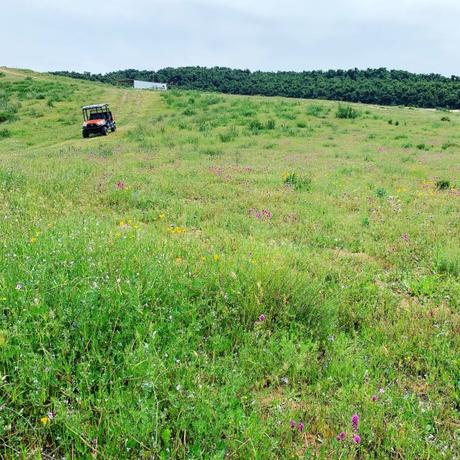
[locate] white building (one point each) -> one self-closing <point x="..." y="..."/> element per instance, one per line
<point x="137" y="84"/>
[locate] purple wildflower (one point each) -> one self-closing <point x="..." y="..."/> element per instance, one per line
<point x="120" y="185"/>
<point x="355" y="421"/>
<point x="375" y="398"/>
<point x="301" y="426"/>
<point x="293" y="424"/>
<point x="341" y="436"/>
<point x="356" y="438"/>
<point x="262" y="318"/>
<point x="405" y="237"/>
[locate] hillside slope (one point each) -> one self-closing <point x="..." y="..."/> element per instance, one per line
<point x="226" y="276"/>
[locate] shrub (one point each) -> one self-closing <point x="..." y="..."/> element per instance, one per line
<point x="271" y="124"/>
<point x="445" y="119"/>
<point x="297" y="181"/>
<point x="446" y="145"/>
<point x="448" y="263"/>
<point x="255" y="126"/>
<point x="316" y="110"/>
<point x="443" y="184"/>
<point x="188" y="112"/>
<point x="381" y="192"/>
<point x="4" y="133"/>
<point x="346" y="112"/>
<point x="212" y="152"/>
<point x="228" y="135"/>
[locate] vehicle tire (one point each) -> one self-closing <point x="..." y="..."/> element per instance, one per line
<point x="104" y="131"/>
<point x="85" y="134"/>
<point x="114" y="128"/>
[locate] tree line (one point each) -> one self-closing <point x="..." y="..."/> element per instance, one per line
<point x="372" y="86"/>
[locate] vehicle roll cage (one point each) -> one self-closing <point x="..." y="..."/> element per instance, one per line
<point x="88" y="110"/>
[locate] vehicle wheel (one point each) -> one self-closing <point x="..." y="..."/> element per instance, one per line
<point x="114" y="128"/>
<point x="85" y="134"/>
<point x="104" y="131"/>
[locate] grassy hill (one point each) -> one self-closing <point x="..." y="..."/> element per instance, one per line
<point x="221" y="266"/>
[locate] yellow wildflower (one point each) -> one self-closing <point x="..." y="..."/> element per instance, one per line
<point x="33" y="239"/>
<point x="161" y="216"/>
<point x="44" y="420"/>
<point x="216" y="257"/>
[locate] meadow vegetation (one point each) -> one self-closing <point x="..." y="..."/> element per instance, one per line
<point x="226" y="277"/>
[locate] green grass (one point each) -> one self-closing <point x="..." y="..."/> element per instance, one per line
<point x="134" y="270"/>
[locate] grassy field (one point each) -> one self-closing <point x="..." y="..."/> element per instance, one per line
<point x="226" y="277"/>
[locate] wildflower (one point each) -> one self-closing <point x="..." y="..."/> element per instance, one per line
<point x="356" y="438"/>
<point x="262" y="318"/>
<point x="216" y="257"/>
<point x="382" y="390"/>
<point x="267" y="214"/>
<point x="405" y="237"/>
<point x="120" y="185"/>
<point x="45" y="420"/>
<point x="293" y="424"/>
<point x="176" y="230"/>
<point x="375" y="398"/>
<point x="50" y="415"/>
<point x="355" y="421"/>
<point x="301" y="426"/>
<point x="19" y="286"/>
<point x="341" y="436"/>
<point x="33" y="239"/>
<point x="161" y="216"/>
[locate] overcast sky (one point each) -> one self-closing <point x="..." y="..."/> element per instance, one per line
<point x="103" y="35"/>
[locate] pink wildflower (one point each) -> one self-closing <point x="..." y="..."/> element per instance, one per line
<point x="356" y="438"/>
<point x="355" y="421"/>
<point x="341" y="436"/>
<point x="293" y="424"/>
<point x="301" y="426"/>
<point x="262" y="318"/>
<point x="120" y="185"/>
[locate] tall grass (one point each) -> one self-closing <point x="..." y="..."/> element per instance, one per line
<point x="190" y="285"/>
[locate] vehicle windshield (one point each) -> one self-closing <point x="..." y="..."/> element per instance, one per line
<point x="98" y="116"/>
